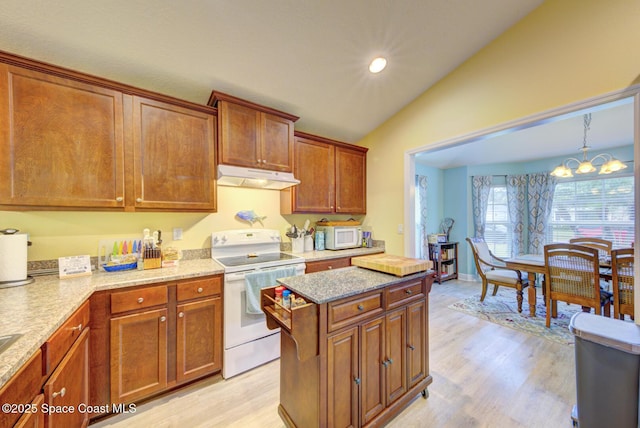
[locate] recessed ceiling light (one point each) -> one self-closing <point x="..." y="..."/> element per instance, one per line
<point x="377" y="65"/>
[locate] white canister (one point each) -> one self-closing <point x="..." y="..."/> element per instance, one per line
<point x="297" y="245"/>
<point x="308" y="243"/>
<point x="13" y="257"/>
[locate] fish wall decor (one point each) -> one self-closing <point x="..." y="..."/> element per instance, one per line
<point x="250" y="216"/>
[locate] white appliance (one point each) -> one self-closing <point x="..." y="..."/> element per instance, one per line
<point x="248" y="342"/>
<point x="229" y="175"/>
<point x="341" y="237"/>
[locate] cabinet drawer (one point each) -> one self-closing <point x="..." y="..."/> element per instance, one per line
<point x="138" y="299"/>
<point x="400" y="294"/>
<point x="328" y="264"/>
<point x="344" y="312"/>
<point x="199" y="288"/>
<point x="59" y="343"/>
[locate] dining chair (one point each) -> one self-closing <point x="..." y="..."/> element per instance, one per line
<point x="492" y="271"/>
<point x="603" y="246"/>
<point x="622" y="282"/>
<point x="573" y="276"/>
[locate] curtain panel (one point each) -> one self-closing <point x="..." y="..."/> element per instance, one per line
<point x="480" y="188"/>
<point x="517" y="204"/>
<point x="540" y="189"/>
<point x="421" y="220"/>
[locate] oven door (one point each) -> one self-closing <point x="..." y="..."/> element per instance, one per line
<point x="239" y="326"/>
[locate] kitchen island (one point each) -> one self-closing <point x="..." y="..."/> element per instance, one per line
<point x="356" y="353"/>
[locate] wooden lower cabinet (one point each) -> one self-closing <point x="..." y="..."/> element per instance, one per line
<point x="369" y="362"/>
<point x="199" y="320"/>
<point x="138" y="355"/>
<point x="149" y="339"/>
<point x="329" y="264"/>
<point x="34" y="419"/>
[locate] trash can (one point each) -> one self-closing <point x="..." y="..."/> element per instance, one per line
<point x="607" y="354"/>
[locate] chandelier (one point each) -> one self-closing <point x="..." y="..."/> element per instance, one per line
<point x="609" y="163"/>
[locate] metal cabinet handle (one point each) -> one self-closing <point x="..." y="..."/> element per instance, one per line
<point x="408" y="291"/>
<point x="200" y="290"/>
<point x="181" y="314"/>
<point x="119" y="199"/>
<point x="356" y="380"/>
<point x="264" y="161"/>
<point x="385" y="363"/>
<point x="259" y="161"/>
<point x="360" y="308"/>
<point x="61" y="393"/>
<point x="390" y="361"/>
<point x="138" y="200"/>
<point x="330" y="267"/>
<point x="413" y="348"/>
<point x="78" y="327"/>
<point x="163" y="318"/>
<point x="140" y="300"/>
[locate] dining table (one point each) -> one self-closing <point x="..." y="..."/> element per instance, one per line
<point x="534" y="264"/>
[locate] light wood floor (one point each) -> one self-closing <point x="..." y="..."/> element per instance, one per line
<point x="484" y="375"/>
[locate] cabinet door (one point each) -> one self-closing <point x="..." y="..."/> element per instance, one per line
<point x="372" y="354"/>
<point x="61" y="142"/>
<point x="239" y="135"/>
<point x="396" y="362"/>
<point x="199" y="337"/>
<point x="276" y="145"/>
<point x="173" y="157"/>
<point x="343" y="379"/>
<point x="33" y="419"/>
<point x="138" y="355"/>
<point x="351" y="177"/>
<point x="417" y="342"/>
<point x="314" y="166"/>
<point x="69" y="386"/>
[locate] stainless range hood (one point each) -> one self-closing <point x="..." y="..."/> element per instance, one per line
<point x="237" y="176"/>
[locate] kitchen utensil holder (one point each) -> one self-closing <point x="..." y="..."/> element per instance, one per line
<point x="308" y="243"/>
<point x="297" y="245"/>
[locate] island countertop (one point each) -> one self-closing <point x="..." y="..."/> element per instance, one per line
<point x="326" y="286"/>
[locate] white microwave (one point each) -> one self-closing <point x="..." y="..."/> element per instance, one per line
<point x="341" y="237"/>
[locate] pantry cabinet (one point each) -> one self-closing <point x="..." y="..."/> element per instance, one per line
<point x="251" y="135"/>
<point x="332" y="177"/>
<point x="354" y="361"/>
<point x="77" y="142"/>
<point x="150" y="339"/>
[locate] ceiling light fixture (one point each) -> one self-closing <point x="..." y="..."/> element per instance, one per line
<point x="377" y="65"/>
<point x="609" y="165"/>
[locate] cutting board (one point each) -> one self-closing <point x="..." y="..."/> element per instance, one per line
<point x="395" y="265"/>
<point x="338" y="223"/>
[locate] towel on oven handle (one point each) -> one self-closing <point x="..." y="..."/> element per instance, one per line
<point x="261" y="279"/>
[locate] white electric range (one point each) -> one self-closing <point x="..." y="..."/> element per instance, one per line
<point x="248" y="342"/>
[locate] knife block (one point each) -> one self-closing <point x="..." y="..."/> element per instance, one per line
<point x="152" y="259"/>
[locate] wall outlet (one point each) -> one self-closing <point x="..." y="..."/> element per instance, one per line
<point x="400" y="229"/>
<point x="177" y="233"/>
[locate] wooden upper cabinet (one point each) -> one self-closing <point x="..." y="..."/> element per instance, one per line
<point x="332" y="177"/>
<point x="73" y="141"/>
<point x="314" y="163"/>
<point x="62" y="142"/>
<point x="252" y="135"/>
<point x="351" y="181"/>
<point x="173" y="157"/>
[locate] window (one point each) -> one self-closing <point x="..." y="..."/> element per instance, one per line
<point x="602" y="208"/>
<point x="497" y="229"/>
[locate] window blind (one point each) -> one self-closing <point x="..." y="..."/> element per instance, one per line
<point x="601" y="208"/>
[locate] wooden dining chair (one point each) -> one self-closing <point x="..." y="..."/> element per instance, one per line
<point x="603" y="246"/>
<point x="491" y="270"/>
<point x="573" y="276"/>
<point x="622" y="282"/>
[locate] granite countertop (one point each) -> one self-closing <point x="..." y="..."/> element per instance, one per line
<point x="36" y="310"/>
<point x="314" y="256"/>
<point x="330" y="285"/>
